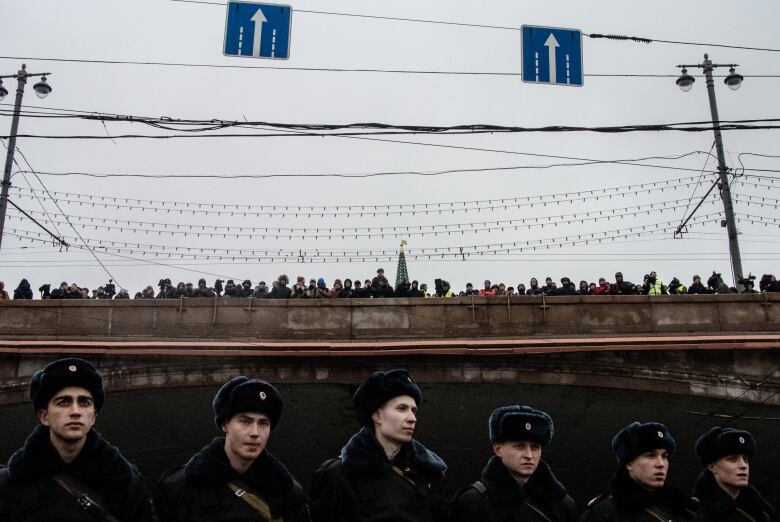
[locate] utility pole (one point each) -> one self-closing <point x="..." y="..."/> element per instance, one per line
<point x="733" y="81"/>
<point x="42" y="89"/>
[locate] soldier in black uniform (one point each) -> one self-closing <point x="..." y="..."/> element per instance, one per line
<point x="516" y="485"/>
<point x="235" y="477"/>
<point x="639" y="491"/>
<point x="723" y="488"/>
<point x="66" y="471"/>
<point x="382" y="474"/>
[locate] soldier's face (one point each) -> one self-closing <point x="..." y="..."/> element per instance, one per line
<point x="731" y="471"/>
<point x="69" y="415"/>
<point x="396" y="419"/>
<point x="650" y="468"/>
<point x="520" y="457"/>
<point x="246" y="435"/>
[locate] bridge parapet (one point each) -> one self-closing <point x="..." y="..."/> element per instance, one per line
<point x="356" y="319"/>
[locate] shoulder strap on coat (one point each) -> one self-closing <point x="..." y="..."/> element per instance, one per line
<point x="255" y="502"/>
<point x="86" y="499"/>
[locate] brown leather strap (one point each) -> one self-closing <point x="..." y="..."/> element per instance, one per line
<point x="655" y="515"/>
<point x="401" y="473"/>
<point x="537" y="510"/>
<point x="86" y="499"/>
<point x="746" y="515"/>
<point x="255" y="502"/>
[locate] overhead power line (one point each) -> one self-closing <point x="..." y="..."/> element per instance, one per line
<point x="474" y="130"/>
<point x="500" y="27"/>
<point x="335" y="69"/>
<point x="192" y="126"/>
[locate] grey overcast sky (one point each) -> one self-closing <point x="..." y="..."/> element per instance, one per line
<point x="598" y="217"/>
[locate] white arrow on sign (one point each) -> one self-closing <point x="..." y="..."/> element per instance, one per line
<point x="552" y="44"/>
<point x="259" y="19"/>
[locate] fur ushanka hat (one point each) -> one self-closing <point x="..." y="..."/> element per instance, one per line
<point x="246" y="395"/>
<point x="719" y="442"/>
<point x="379" y="388"/>
<point x="63" y="373"/>
<point x="515" y="423"/>
<point x="637" y="438"/>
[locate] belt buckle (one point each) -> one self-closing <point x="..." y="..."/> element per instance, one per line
<point x="240" y="492"/>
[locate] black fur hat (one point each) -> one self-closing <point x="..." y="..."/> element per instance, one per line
<point x="246" y="395"/>
<point x="719" y="442"/>
<point x="63" y="373"/>
<point x="637" y="438"/>
<point x="513" y="423"/>
<point x="380" y="388"/>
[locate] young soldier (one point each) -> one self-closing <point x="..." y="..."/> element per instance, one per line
<point x="383" y="474"/>
<point x="235" y="477"/>
<point x="516" y="485"/>
<point x="66" y="471"/>
<point x="638" y="491"/>
<point x="723" y="487"/>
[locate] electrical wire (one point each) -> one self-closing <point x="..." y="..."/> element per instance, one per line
<point x="335" y="69"/>
<point x="501" y="27"/>
<point x="460" y="132"/>
<point x="65" y="216"/>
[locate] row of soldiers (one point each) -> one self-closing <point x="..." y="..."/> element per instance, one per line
<point x="67" y="471"/>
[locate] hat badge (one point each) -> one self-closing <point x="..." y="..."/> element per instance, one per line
<point x="528" y="426"/>
<point x="262" y="395"/>
<point x="660" y="434"/>
<point x="742" y="440"/>
<point x="72" y="367"/>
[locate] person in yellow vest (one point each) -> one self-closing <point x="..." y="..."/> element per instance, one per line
<point x="654" y="285"/>
<point x="676" y="287"/>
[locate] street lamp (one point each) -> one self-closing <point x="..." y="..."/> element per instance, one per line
<point x="42" y="89"/>
<point x="733" y="81"/>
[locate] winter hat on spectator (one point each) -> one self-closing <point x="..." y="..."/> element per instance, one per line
<point x="246" y="395"/>
<point x="63" y="373"/>
<point x="380" y="388"/>
<point x="637" y="438"/>
<point x="719" y="442"/>
<point x="321" y="281"/>
<point x="513" y="423"/>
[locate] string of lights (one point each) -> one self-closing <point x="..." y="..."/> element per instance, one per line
<point x="360" y="210"/>
<point x="212" y="231"/>
<point x="454" y="252"/>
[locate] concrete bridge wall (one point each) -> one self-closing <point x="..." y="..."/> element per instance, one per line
<point x="349" y="319"/>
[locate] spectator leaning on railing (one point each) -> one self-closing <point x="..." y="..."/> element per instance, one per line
<point x="380" y="288"/>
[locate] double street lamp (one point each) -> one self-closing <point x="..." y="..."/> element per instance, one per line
<point x="733" y="81"/>
<point x="42" y="89"/>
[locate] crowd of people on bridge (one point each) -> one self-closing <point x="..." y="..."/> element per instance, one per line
<point x="380" y="287"/>
<point x="67" y="471"/>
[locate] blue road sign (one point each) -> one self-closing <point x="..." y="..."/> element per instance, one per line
<point x="258" y="30"/>
<point x="552" y="55"/>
